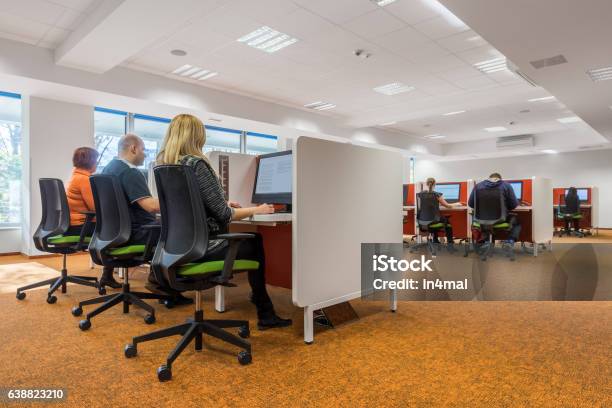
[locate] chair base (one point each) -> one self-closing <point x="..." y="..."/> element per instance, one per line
<point x="488" y="249"/>
<point x="60" y="283"/>
<point x="192" y="331"/>
<point x="126" y="297"/>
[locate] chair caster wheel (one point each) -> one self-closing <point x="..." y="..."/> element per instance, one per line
<point x="164" y="373"/>
<point x="149" y="319"/>
<point x="51" y="299"/>
<point x="102" y="291"/>
<point x="168" y="303"/>
<point x="244" y="332"/>
<point x="130" y="351"/>
<point x="244" y="357"/>
<point x="77" y="311"/>
<point x="84" y="324"/>
<point x="20" y="295"/>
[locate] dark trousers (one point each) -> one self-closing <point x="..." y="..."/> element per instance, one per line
<point x="448" y="229"/>
<point x="251" y="249"/>
<point x="515" y="227"/>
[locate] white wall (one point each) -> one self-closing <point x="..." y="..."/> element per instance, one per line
<point x="580" y="169"/>
<point x="51" y="131"/>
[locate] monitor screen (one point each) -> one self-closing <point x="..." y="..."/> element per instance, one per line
<point x="450" y="191"/>
<point x="405" y="195"/>
<point x="517" y="186"/>
<point x="274" y="178"/>
<point x="583" y="194"/>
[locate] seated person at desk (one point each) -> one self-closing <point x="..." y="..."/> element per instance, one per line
<point x="142" y="204"/>
<point x="495" y="182"/>
<point x="183" y="144"/>
<point x="80" y="200"/>
<point x="572" y="207"/>
<point x="431" y="184"/>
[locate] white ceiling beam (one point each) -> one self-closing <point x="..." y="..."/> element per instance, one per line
<point x="118" y="29"/>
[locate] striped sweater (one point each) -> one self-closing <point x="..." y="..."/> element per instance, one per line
<point x="218" y="213"/>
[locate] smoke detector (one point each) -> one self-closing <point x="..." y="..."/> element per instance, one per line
<point x="363" y="54"/>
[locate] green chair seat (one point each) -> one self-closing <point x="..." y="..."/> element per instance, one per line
<point x="577" y="216"/>
<point x="202" y="268"/>
<point x="127" y="250"/>
<point x="436" y="225"/>
<point x="66" y="239"/>
<point x="501" y="225"/>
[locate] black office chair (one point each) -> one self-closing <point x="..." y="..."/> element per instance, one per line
<point x="570" y="214"/>
<point x="490" y="215"/>
<point x="108" y="248"/>
<point x="428" y="221"/>
<point x="49" y="237"/>
<point x="180" y="262"/>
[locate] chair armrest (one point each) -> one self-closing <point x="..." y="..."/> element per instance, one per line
<point x="234" y="236"/>
<point x="235" y="239"/>
<point x="150" y="245"/>
<point x="89" y="216"/>
<point x="151" y="226"/>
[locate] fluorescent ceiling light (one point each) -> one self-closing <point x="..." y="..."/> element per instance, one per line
<point x="600" y="74"/>
<point x="393" y="88"/>
<point x="319" y="105"/>
<point x="453" y="113"/>
<point x="388" y="123"/>
<point x="495" y="129"/>
<point x="549" y="151"/>
<point x="193" y="72"/>
<point x="267" y="39"/>
<point x="492" y="65"/>
<point x="382" y="3"/>
<point x="543" y="99"/>
<point x="434" y="136"/>
<point x="569" y="119"/>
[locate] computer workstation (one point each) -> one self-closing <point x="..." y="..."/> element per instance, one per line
<point x="589" y="207"/>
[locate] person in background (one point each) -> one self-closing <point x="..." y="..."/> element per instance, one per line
<point x="431" y="184"/>
<point x="142" y="205"/>
<point x="183" y="144"/>
<point x="80" y="200"/>
<point x="572" y="206"/>
<point x="495" y="182"/>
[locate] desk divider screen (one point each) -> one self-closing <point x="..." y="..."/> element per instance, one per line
<point x="240" y="174"/>
<point x="343" y="195"/>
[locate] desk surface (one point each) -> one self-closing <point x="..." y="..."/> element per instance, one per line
<point x="267" y="219"/>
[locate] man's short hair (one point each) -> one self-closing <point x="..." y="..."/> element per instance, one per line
<point x="495" y="175"/>
<point x="128" y="140"/>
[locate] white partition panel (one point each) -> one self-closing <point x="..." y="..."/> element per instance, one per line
<point x="595" y="207"/>
<point x="242" y="168"/>
<point x="343" y="195"/>
<point x="542" y="209"/>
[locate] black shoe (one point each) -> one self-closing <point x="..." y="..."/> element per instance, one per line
<point x="111" y="282"/>
<point x="180" y="300"/>
<point x="273" y="322"/>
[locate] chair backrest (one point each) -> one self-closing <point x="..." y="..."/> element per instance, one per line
<point x="55" y="212"/>
<point x="572" y="204"/>
<point x="113" y="224"/>
<point x="184" y="231"/>
<point x="489" y="206"/>
<point x="428" y="208"/>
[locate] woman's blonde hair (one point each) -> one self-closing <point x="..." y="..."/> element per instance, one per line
<point x="430" y="182"/>
<point x="185" y="136"/>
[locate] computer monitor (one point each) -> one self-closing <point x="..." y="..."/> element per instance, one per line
<point x="274" y="178"/>
<point x="405" y="202"/>
<point x="450" y="191"/>
<point x="583" y="194"/>
<point x="517" y="186"/>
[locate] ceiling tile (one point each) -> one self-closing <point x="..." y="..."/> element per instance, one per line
<point x="415" y="11"/>
<point x="462" y="41"/>
<point x="475" y="83"/>
<point x="338" y="11"/>
<point x="402" y="41"/>
<point x="40" y="11"/>
<point x="374" y="24"/>
<point x="79" y="5"/>
<point x="441" y="27"/>
<point x="22" y="27"/>
<point x="465" y="71"/>
<point x="261" y="11"/>
<point x="70" y="19"/>
<point x="475" y="55"/>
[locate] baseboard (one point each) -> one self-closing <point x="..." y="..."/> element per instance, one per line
<point x="10" y="253"/>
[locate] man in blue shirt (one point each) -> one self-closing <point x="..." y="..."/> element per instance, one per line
<point x="495" y="182"/>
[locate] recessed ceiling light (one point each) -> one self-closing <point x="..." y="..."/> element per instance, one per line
<point x="492" y="65"/>
<point x="434" y="136"/>
<point x="549" y="151"/>
<point x="267" y="39"/>
<point x="569" y="119"/>
<point x="388" y="123"/>
<point x="495" y="129"/>
<point x="193" y="72"/>
<point x="453" y="113"/>
<point x="600" y="74"/>
<point x="178" y="53"/>
<point x="543" y="99"/>
<point x="319" y="105"/>
<point x="393" y="88"/>
<point x="382" y="3"/>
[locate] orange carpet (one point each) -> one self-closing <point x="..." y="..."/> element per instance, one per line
<point x="428" y="354"/>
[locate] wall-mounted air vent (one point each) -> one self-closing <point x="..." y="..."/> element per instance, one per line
<point x="548" y="62"/>
<point x="514" y="142"/>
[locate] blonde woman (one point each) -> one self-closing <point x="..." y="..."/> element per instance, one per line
<point x="448" y="229"/>
<point x="183" y="144"/>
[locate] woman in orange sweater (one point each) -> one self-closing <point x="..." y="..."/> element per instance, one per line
<point x="80" y="199"/>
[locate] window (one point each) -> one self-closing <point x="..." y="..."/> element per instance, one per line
<point x="109" y="126"/>
<point x="258" y="143"/>
<point x="152" y="130"/>
<point x="222" y="139"/>
<point x="10" y="159"/>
